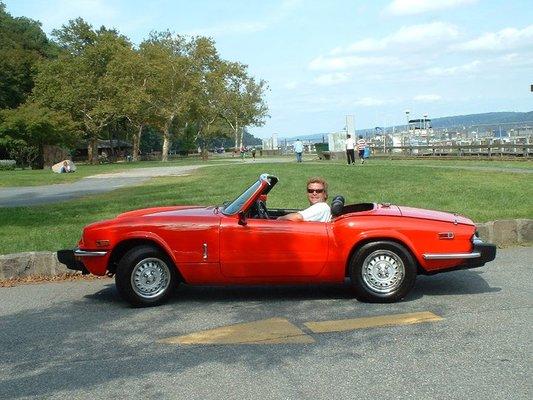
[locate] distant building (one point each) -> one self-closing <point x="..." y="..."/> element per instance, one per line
<point x="271" y="143"/>
<point x="337" y="141"/>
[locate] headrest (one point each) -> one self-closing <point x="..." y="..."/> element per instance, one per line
<point x="337" y="205"/>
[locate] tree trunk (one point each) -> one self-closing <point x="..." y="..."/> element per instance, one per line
<point x="166" y="140"/>
<point x="241" y="137"/>
<point x="38" y="162"/>
<point x="237" y="144"/>
<point x="137" y="143"/>
<point x="92" y="150"/>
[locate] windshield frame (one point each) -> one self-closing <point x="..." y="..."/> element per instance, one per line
<point x="262" y="186"/>
<point x="236" y="205"/>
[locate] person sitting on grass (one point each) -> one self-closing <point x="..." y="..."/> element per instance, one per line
<point x="65" y="169"/>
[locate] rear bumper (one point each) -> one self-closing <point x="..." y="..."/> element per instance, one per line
<point x="481" y="254"/>
<point x="72" y="258"/>
<point x="487" y="252"/>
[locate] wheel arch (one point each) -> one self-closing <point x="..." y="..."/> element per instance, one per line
<point x="126" y="245"/>
<point x="358" y="245"/>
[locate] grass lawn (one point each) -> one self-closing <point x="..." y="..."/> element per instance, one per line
<point x="47" y="177"/>
<point x="479" y="194"/>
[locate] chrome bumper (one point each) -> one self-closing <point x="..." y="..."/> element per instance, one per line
<point x="481" y="253"/>
<point x="69" y="258"/>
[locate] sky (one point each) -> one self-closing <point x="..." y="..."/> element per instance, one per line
<point x="324" y="60"/>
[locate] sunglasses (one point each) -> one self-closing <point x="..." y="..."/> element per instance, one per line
<point x="315" y="190"/>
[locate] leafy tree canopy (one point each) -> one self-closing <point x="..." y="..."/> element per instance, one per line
<point x="22" y="44"/>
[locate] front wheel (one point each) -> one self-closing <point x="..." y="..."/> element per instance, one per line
<point x="145" y="276"/>
<point x="382" y="272"/>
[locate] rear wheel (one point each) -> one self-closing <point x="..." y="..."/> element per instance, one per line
<point x="145" y="276"/>
<point x="382" y="271"/>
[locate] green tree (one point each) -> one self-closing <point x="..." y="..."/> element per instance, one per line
<point x="242" y="102"/>
<point x="22" y="45"/>
<point x="76" y="81"/>
<point x="173" y="92"/>
<point x="209" y="89"/>
<point x="25" y="131"/>
<point x="130" y="73"/>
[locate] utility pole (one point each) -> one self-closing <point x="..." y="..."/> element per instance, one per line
<point x="407" y="112"/>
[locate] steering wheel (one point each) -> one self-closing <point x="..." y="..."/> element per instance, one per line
<point x="262" y="212"/>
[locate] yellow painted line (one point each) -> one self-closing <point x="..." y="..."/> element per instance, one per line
<point x="372" y="322"/>
<point x="268" y="331"/>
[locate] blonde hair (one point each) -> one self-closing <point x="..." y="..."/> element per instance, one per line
<point x="322" y="181"/>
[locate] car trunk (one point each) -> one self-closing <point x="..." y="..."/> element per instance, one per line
<point x="434" y="215"/>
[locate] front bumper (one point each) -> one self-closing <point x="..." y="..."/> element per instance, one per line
<point x="71" y="258"/>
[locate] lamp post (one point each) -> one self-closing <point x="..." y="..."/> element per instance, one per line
<point x="426" y="130"/>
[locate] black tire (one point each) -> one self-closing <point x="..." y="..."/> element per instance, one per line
<point x="145" y="276"/>
<point x="382" y="271"/>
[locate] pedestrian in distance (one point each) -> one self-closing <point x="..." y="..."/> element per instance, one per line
<point x="298" y="150"/>
<point x="361" y="144"/>
<point x="253" y="153"/>
<point x="350" y="152"/>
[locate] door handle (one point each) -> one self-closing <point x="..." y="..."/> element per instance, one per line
<point x="205" y="251"/>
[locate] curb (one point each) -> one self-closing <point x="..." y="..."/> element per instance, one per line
<point x="503" y="233"/>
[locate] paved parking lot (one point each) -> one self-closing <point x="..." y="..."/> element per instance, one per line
<point x="79" y="340"/>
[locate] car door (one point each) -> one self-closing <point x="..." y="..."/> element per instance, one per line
<point x="272" y="248"/>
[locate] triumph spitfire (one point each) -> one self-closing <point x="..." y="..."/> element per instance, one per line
<point x="380" y="247"/>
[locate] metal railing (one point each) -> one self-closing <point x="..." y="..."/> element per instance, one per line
<point x="473" y="150"/>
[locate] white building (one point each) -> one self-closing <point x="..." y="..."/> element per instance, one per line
<point x="272" y="143"/>
<point x="337" y="141"/>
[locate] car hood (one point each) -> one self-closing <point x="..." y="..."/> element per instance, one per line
<point x="434" y="215"/>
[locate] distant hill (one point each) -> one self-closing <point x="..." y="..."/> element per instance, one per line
<point x="492" y="118"/>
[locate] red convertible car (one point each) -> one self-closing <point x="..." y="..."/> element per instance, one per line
<point x="380" y="247"/>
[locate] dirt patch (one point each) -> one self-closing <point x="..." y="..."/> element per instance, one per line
<point x="56" y="278"/>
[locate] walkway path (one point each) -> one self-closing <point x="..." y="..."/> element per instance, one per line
<point x="101" y="183"/>
<point x="35" y="195"/>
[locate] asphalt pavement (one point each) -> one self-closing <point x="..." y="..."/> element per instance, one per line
<point x="79" y="340"/>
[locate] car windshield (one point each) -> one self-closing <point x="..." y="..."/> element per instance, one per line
<point x="236" y="205"/>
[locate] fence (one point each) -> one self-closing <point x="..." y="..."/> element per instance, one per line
<point x="472" y="150"/>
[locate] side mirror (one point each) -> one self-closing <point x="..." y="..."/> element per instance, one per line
<point x="242" y="219"/>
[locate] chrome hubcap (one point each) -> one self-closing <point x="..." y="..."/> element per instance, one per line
<point x="383" y="271"/>
<point x="150" y="278"/>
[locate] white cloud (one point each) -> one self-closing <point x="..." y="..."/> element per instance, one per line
<point x="332" y="79"/>
<point x="340" y="63"/>
<point x="231" y="28"/>
<point x="96" y="12"/>
<point x="455" y="70"/>
<point x="427" y="98"/>
<point x="369" y="102"/>
<point x="291" y="85"/>
<point x="503" y="40"/>
<point x="411" y="7"/>
<point x="286" y="8"/>
<point x="415" y="36"/>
